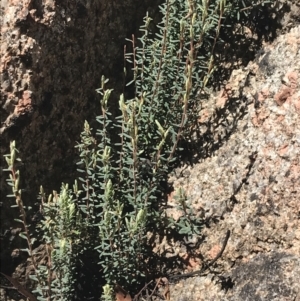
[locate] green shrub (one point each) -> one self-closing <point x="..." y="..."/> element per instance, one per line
<point x="124" y="167"/>
<point x="61" y="229"/>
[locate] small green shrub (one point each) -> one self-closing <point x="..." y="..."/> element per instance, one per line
<point x="123" y="178"/>
<point x="124" y="167"/>
<point x="61" y="229"/>
<point x="188" y="224"/>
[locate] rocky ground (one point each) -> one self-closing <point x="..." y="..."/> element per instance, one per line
<point x="250" y="184"/>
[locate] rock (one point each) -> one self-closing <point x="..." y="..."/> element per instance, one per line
<point x="272" y="276"/>
<point x="251" y="184"/>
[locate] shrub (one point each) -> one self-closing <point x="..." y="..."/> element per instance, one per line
<point x="124" y="167"/>
<point x="61" y="228"/>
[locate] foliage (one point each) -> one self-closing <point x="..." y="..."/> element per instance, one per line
<point x="60" y="228"/>
<point x="124" y="177"/>
<point x="124" y="168"/>
<point x="188" y="224"/>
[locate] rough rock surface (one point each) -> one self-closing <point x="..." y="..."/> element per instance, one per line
<point x="250" y="183"/>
